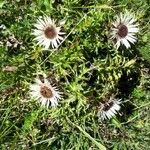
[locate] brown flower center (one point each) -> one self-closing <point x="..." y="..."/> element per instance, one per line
<point x="122" y="30"/>
<point x="50" y="32"/>
<point x="107" y="106"/>
<point x="46" y="92"/>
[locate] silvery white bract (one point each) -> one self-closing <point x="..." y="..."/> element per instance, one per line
<point x="109" y="109"/>
<point x="47" y="33"/>
<point x="124" y="30"/>
<point x="45" y="92"/>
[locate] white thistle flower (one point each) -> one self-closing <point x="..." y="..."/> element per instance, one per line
<point x="124" y="30"/>
<point x="47" y="33"/>
<point x="45" y="92"/>
<point x="109" y="109"/>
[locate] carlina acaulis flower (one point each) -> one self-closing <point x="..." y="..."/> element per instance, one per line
<point x="109" y="108"/>
<point x="124" y="30"/>
<point x="43" y="91"/>
<point x="47" y="34"/>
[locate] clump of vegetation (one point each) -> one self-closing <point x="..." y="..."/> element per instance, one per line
<point x="74" y="74"/>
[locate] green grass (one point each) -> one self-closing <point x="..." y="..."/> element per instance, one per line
<point x="74" y="124"/>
